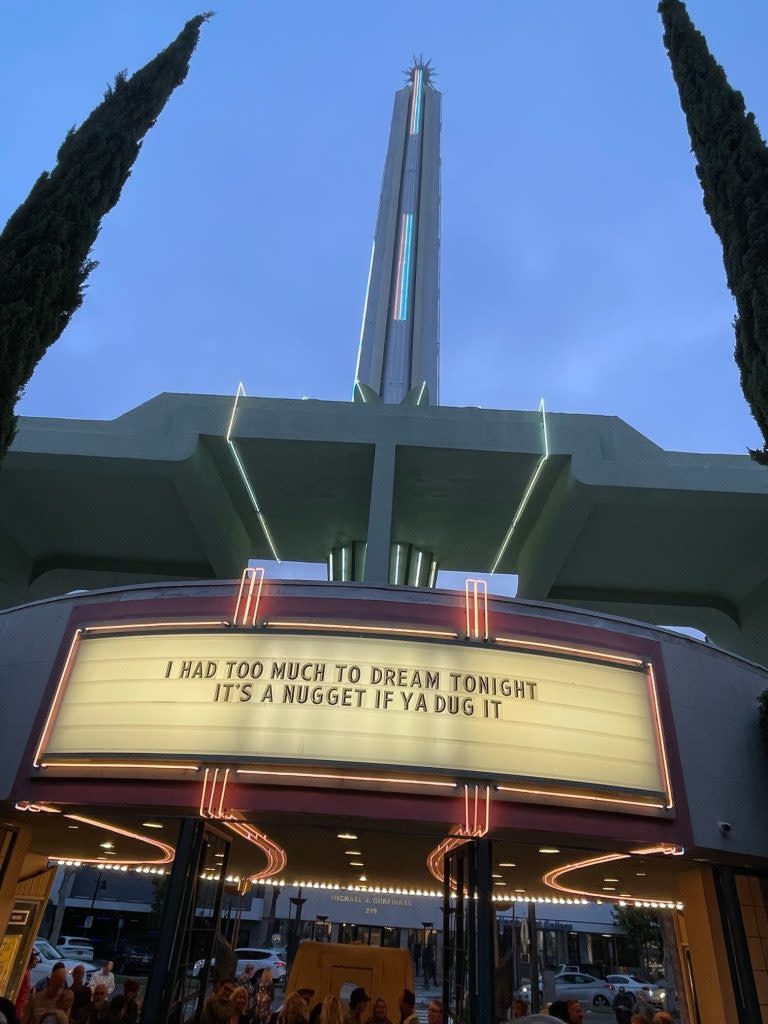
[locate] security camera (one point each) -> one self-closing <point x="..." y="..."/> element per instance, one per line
<point x="725" y="828"/>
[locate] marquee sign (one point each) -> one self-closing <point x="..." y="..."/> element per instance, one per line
<point x="586" y="719"/>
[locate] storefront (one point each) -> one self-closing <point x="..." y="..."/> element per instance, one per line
<point x="360" y="742"/>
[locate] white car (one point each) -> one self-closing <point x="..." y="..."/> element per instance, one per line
<point x="260" y="959"/>
<point x="74" y="946"/>
<point x="251" y="956"/>
<point x="585" y="987"/>
<point x="577" y="985"/>
<point x="654" y="994"/>
<point x="49" y="956"/>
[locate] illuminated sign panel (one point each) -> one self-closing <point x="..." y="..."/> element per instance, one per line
<point x="360" y="700"/>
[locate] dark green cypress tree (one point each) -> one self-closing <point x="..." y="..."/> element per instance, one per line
<point x="732" y="166"/>
<point x="45" y="246"/>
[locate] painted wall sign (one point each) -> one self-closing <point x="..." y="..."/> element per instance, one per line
<point x="379" y="702"/>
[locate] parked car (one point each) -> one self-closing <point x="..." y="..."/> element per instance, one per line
<point x="74" y="946"/>
<point x="584" y="987"/>
<point x="133" y="958"/>
<point x="632" y="984"/>
<point x="251" y="956"/>
<point x="49" y="956"/>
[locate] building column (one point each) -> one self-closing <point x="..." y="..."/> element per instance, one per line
<point x="714" y="993"/>
<point x="380" y="514"/>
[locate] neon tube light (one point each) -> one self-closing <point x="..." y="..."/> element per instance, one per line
<point x="346" y="778"/>
<point x="551" y="878"/>
<point x="562" y="794"/>
<point x="57" y="697"/>
<point x="362" y="325"/>
<point x="165" y="767"/>
<point x="244" y="476"/>
<point x="416" y="102"/>
<point x="403" y="272"/>
<point x="136" y="627"/>
<point x="619" y="659"/>
<point x="346" y="627"/>
<point x="528" y="491"/>
<point x="167" y="851"/>
<point x="250" y="574"/>
<point x="660" y="744"/>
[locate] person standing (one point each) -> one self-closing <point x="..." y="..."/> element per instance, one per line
<point x="408" y="1007"/>
<point x="416" y="957"/>
<point x="47" y="998"/>
<point x="264" y="993"/>
<point x="26" y="983"/>
<point x="428" y="963"/>
<point x="103" y="976"/>
<point x="81" y="994"/>
<point x="622" y="1006"/>
<point x="358" y="1004"/>
<point x="131" y="993"/>
<point x="98" y="1010"/>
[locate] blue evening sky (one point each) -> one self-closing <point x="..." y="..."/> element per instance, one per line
<point x="577" y="260"/>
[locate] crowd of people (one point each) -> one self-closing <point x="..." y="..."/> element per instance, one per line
<point x="91" y="1001"/>
<point x="243" y="1001"/>
<point x="627" y="1007"/>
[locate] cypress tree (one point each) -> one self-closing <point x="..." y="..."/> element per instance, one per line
<point x="45" y="246"/>
<point x="732" y="166"/>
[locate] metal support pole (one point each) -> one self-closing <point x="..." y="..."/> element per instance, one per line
<point x="484" y="949"/>
<point x="533" y="958"/>
<point x="181" y="889"/>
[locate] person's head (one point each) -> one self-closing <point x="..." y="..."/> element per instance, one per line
<point x="239" y="999"/>
<point x="379" y="1009"/>
<point x="131" y="989"/>
<point x="34" y="959"/>
<point x="108" y="967"/>
<point x="407" y="1003"/>
<point x="117" y="1007"/>
<point x="57" y="979"/>
<point x="99" y="997"/>
<point x="568" y="1010"/>
<point x="358" y="1001"/>
<point x="330" y="1011"/>
<point x="306" y="994"/>
<point x="519" y="1009"/>
<point x="78" y="973"/>
<point x="435" y="1011"/>
<point x="663" y="1017"/>
<point x="249" y="971"/>
<point x="295" y="1009"/>
<point x="223" y="989"/>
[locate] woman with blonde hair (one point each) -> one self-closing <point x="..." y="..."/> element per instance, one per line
<point x="239" y="1003"/>
<point x="294" y="1011"/>
<point x="263" y="994"/>
<point x="330" y="1012"/>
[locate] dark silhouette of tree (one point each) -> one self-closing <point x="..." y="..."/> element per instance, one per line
<point x="732" y="166"/>
<point x="45" y="246"/>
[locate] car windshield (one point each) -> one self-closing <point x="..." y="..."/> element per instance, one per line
<point x="48" y="951"/>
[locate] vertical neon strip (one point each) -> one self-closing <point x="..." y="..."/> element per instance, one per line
<point x="416" y="102"/>
<point x="405" y="287"/>
<point x="365" y="314"/>
<point x="397" y="304"/>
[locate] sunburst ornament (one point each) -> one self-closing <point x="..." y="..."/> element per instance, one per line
<point x="424" y="66"/>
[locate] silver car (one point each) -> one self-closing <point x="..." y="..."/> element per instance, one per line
<point x="587" y="989"/>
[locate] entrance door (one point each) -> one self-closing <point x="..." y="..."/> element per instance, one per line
<point x="191" y="949"/>
<point x="468" y="948"/>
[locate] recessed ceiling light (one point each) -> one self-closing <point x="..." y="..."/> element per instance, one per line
<point x="363" y="878"/>
<point x="519" y="890"/>
<point x="357" y="864"/>
<point x="106" y="845"/>
<point x="507" y="864"/>
<point x="345" y="835"/>
<point x="152" y="824"/>
<point x="499" y="883"/>
<point x="354" y="853"/>
<point x="641" y="874"/>
<point x="610" y="879"/>
<point x="625" y="895"/>
<point x="496" y="876"/>
<point x="609" y="888"/>
<point x="218" y="855"/>
<point x="548" y="849"/>
<point x="111" y="853"/>
<point x="73" y="826"/>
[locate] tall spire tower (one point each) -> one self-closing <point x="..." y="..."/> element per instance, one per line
<point x="398" y="359"/>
